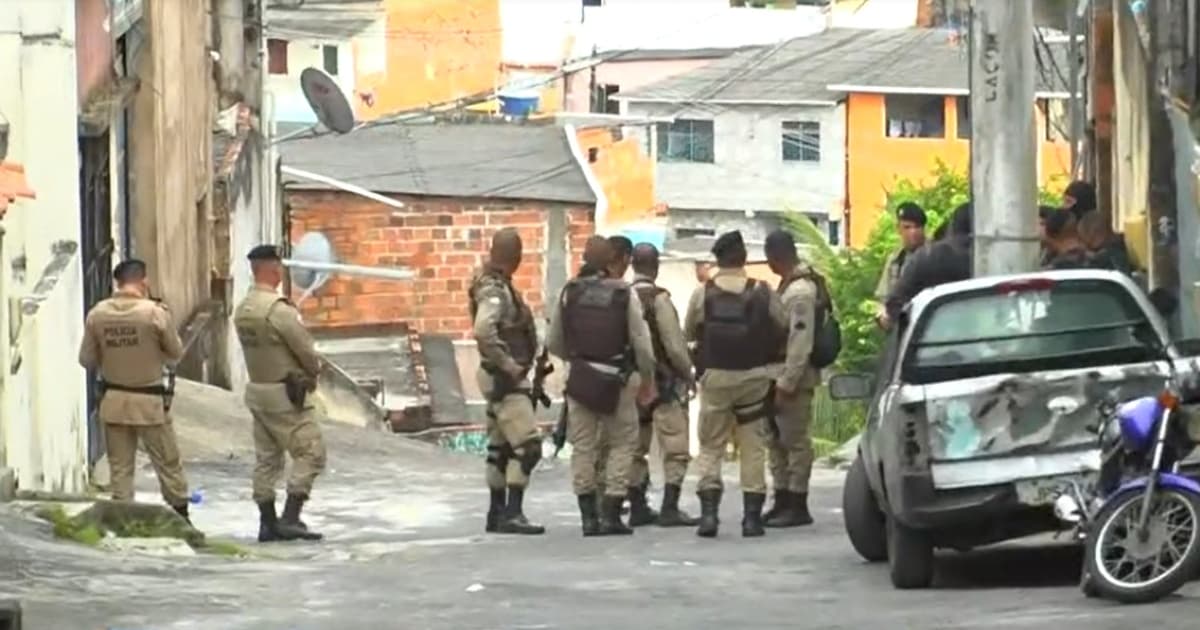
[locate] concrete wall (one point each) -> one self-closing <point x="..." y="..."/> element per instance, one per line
<point x="171" y="149"/>
<point x="93" y="46"/>
<point x="444" y="239"/>
<point x="629" y="75"/>
<point x="748" y="172"/>
<point x="290" y="104"/>
<point x="43" y="428"/>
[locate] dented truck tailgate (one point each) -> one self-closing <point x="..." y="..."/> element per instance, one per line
<point x="1022" y="414"/>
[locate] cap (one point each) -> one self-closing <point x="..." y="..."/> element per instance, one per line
<point x="264" y="252"/>
<point x="911" y="212"/>
<point x="727" y="243"/>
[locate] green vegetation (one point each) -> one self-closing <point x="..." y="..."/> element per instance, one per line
<point x="92" y="525"/>
<point x="853" y="275"/>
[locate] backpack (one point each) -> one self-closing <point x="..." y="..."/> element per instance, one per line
<point x="827" y="331"/>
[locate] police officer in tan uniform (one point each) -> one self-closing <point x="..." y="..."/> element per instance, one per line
<point x="789" y="442"/>
<point x="666" y="416"/>
<point x="596" y="326"/>
<point x="283" y="367"/>
<point x="910" y="225"/>
<point x="130" y="339"/>
<point x="737" y="323"/>
<point x="507" y="340"/>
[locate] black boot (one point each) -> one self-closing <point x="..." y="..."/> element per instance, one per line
<point x="182" y="510"/>
<point x="268" y="522"/>
<point x="793" y="514"/>
<point x="640" y="512"/>
<point x="587" y="515"/>
<point x="671" y="515"/>
<point x="513" y="520"/>
<point x="752" y="505"/>
<point x="289" y="525"/>
<point x="495" y="509"/>
<point x="610" y="518"/>
<point x="780" y="500"/>
<point x="710" y="503"/>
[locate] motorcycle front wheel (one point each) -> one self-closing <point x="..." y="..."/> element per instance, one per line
<point x="1134" y="569"/>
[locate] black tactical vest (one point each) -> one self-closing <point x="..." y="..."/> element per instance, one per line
<point x="516" y="331"/>
<point x="738" y="329"/>
<point x="648" y="293"/>
<point x="594" y="319"/>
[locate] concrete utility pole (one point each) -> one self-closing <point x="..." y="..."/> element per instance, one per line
<point x="1003" y="137"/>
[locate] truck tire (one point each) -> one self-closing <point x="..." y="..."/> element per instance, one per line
<point x="910" y="556"/>
<point x="864" y="522"/>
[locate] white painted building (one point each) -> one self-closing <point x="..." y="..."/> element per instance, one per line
<point x="343" y="38"/>
<point x="43" y="407"/>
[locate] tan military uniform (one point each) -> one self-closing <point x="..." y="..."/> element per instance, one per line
<point x="586" y="428"/>
<point x="275" y="344"/>
<point x="506" y="335"/>
<point x="723" y="391"/>
<point x="130" y="339"/>
<point x="669" y="421"/>
<point x="891" y="273"/>
<point x="789" y="442"/>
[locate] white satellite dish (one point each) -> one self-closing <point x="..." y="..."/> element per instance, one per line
<point x="327" y="101"/>
<point x="312" y="247"/>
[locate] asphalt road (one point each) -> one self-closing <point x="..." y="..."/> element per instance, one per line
<point x="406" y="550"/>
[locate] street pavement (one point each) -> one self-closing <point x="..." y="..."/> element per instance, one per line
<point x="405" y="549"/>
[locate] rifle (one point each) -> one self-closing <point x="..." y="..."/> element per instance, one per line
<point x="560" y="430"/>
<point x="541" y="369"/>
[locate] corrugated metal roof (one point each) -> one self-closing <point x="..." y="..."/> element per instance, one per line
<point x="804" y="69"/>
<point x="470" y="159"/>
<point x="323" y="19"/>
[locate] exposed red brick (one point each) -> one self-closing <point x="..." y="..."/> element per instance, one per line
<point x="445" y="240"/>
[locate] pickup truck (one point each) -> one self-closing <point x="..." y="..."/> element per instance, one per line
<point x="978" y="416"/>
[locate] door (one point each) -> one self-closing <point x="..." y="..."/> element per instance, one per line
<point x="96" y="250"/>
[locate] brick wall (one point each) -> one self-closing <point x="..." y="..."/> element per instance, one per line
<point x="444" y="239"/>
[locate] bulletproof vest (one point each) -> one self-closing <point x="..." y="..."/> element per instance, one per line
<point x="594" y="319"/>
<point x="648" y="293"/>
<point x="516" y="329"/>
<point x="268" y="358"/>
<point x="130" y="354"/>
<point x="738" y="330"/>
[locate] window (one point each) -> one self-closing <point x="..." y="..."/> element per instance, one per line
<point x="277" y="56"/>
<point x="1056" y="119"/>
<point x="330" y="55"/>
<point x="915" y="116"/>
<point x="801" y="141"/>
<point x="964" y="117"/>
<point x="1071" y="324"/>
<point x="593" y="155"/>
<point x="683" y="232"/>
<point x="686" y="141"/>
<point x="604" y="103"/>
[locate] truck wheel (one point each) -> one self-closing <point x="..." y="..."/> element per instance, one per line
<point x="864" y="522"/>
<point x="910" y="556"/>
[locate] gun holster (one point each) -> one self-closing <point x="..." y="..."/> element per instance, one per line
<point x="298" y="385"/>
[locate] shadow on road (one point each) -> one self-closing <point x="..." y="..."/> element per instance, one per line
<point x="1010" y="566"/>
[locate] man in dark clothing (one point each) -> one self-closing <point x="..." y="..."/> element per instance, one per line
<point x="947" y="260"/>
<point x="1079" y="198"/>
<point x="1063" y="249"/>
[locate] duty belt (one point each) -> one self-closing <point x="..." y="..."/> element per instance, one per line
<point x="153" y="390"/>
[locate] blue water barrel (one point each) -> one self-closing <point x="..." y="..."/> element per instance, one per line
<point x="517" y="105"/>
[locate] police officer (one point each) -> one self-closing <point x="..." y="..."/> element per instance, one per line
<point x="622" y="255"/>
<point x="283" y="367"/>
<point x="945" y="260"/>
<point x="910" y="224"/>
<point x="789" y="442"/>
<point x="738" y="324"/>
<point x="596" y="325"/>
<point x="666" y="415"/>
<point x="130" y="339"/>
<point x="507" y="339"/>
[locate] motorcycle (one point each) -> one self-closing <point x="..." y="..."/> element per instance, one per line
<point x="1141" y="520"/>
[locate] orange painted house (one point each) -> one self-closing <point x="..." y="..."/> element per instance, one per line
<point x="880" y="149"/>
<point x="435" y="51"/>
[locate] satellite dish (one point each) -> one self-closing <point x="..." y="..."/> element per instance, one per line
<point x="312" y="247"/>
<point x="327" y="100"/>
